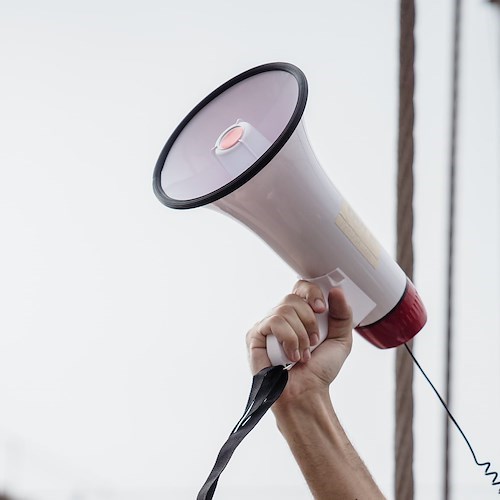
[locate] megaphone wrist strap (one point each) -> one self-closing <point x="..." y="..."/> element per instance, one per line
<point x="267" y="386"/>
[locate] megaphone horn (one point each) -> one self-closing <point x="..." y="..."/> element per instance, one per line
<point x="243" y="150"/>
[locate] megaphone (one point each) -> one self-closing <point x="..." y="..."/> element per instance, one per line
<point x="243" y="151"/>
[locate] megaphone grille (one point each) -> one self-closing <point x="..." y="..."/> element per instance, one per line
<point x="230" y="136"/>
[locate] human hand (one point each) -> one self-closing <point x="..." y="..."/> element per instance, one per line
<point x="294" y="324"/>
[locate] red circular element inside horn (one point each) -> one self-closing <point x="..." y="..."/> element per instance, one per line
<point x="399" y="325"/>
<point x="231" y="138"/>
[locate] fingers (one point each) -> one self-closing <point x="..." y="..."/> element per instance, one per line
<point x="293" y="323"/>
<point x="339" y="311"/>
<point x="278" y="326"/>
<point x="303" y="322"/>
<point x="257" y="352"/>
<point x="312" y="294"/>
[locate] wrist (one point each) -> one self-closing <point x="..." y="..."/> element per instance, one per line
<point x="314" y="407"/>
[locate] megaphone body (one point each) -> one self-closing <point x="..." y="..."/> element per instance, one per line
<point x="243" y="151"/>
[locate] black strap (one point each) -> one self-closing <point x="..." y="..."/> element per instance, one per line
<point x="267" y="387"/>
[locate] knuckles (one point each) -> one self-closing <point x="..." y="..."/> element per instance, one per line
<point x="253" y="334"/>
<point x="252" y="343"/>
<point x="275" y="321"/>
<point x="284" y="310"/>
<point x="301" y="308"/>
<point x="250" y="337"/>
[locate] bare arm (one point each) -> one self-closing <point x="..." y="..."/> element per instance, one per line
<point x="304" y="413"/>
<point x="331" y="466"/>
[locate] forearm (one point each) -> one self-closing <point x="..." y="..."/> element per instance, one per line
<point x="329" y="463"/>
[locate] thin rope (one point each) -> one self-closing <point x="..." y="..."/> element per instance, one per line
<point x="451" y="241"/>
<point x="404" y="365"/>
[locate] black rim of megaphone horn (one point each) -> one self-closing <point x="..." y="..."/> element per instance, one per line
<point x="256" y="167"/>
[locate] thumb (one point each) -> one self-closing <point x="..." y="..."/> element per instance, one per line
<point x="339" y="317"/>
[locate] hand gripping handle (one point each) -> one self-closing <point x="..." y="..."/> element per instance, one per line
<point x="360" y="303"/>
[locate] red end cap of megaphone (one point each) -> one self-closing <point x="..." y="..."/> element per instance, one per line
<point x="400" y="324"/>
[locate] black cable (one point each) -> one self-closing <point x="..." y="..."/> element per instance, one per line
<point x="487" y="472"/>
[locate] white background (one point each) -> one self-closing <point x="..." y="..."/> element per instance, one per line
<point x="122" y="356"/>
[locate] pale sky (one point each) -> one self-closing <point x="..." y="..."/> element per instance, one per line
<point x="122" y="354"/>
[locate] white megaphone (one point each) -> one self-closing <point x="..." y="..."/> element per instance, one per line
<point x="244" y="151"/>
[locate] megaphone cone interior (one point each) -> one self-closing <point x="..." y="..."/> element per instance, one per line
<point x="268" y="100"/>
<point x="244" y="151"/>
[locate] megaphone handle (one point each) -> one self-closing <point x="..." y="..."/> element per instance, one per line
<point x="360" y="303"/>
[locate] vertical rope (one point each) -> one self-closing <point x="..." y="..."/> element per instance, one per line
<point x="451" y="241"/>
<point x="404" y="251"/>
